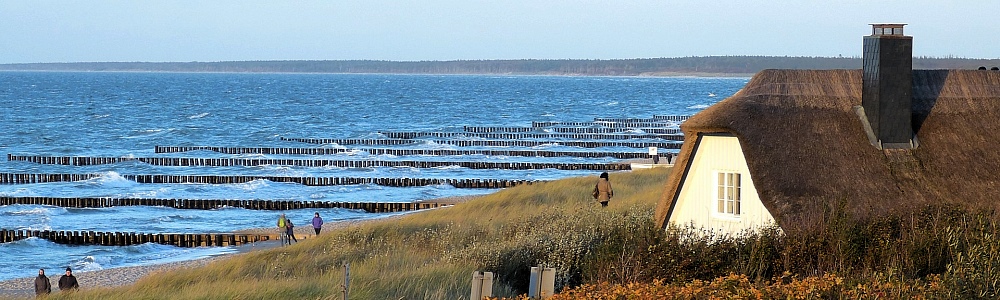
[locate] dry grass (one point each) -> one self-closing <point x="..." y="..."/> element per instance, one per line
<point x="428" y="255"/>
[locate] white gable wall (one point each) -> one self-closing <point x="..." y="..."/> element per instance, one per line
<point x="697" y="199"/>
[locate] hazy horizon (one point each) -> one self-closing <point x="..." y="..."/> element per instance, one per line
<point x="445" y="30"/>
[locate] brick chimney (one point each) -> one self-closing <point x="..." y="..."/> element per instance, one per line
<point x="887" y="86"/>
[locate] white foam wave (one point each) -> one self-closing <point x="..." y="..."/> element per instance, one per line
<point x="29" y="211"/>
<point x="253" y="185"/>
<point x="90" y="263"/>
<point x="612" y="103"/>
<point x="545" y="146"/>
<point x="112" y="179"/>
<point x="699" y="106"/>
<point x="548" y="115"/>
<point x="452" y="167"/>
<point x="173" y="218"/>
<point x="198" y="116"/>
<point x="434" y="145"/>
<point x="17" y="192"/>
<point x="353" y="152"/>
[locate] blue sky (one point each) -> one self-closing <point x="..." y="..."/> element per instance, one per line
<point x="75" y="31"/>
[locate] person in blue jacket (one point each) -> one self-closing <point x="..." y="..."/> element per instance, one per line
<point x="317" y="223"/>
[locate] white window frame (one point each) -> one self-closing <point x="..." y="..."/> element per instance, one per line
<point x="728" y="194"/>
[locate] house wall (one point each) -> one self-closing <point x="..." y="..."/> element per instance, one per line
<point x="696" y="203"/>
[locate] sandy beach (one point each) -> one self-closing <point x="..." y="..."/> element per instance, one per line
<point x="23" y="288"/>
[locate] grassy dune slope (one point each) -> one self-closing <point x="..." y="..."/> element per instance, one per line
<point x="431" y="255"/>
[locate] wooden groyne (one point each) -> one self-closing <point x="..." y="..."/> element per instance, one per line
<point x="605" y="124"/>
<point x="660" y="131"/>
<point x="255" y="150"/>
<point x="605" y="130"/>
<point x="225" y="162"/>
<point x="205" y="204"/>
<point x="643" y="120"/>
<point x="404" y="152"/>
<point x="131" y="238"/>
<point x="13" y="178"/>
<point x="671" y="118"/>
<point x="533" y="135"/>
<point x="490" y="143"/>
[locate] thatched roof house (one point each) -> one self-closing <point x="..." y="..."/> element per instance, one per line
<point x="870" y="142"/>
<point x="805" y="147"/>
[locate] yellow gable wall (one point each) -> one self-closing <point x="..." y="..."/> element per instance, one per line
<point x="696" y="203"/>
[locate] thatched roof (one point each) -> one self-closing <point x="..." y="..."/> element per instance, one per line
<point x="806" y="147"/>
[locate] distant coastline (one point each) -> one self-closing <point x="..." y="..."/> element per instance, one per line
<point x="712" y="66"/>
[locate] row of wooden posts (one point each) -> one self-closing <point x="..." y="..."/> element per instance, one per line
<point x="132" y="238"/>
<point x="532" y="135"/>
<point x="225" y="162"/>
<point x="99" y="202"/>
<point x="15" y="178"/>
<point x="655" y="118"/>
<point x="635" y="125"/>
<point x="481" y="129"/>
<point x="403" y="152"/>
<point x="488" y="143"/>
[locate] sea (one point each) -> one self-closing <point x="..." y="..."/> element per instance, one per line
<point x="128" y="114"/>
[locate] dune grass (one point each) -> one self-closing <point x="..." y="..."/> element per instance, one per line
<point x="432" y="254"/>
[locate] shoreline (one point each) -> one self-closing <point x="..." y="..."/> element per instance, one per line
<point x="23" y="288"/>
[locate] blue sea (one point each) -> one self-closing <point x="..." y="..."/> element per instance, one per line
<point x="128" y="114"/>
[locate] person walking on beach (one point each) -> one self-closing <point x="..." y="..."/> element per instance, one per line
<point x="602" y="190"/>
<point x="282" y="224"/>
<point x="290" y="231"/>
<point x="317" y="223"/>
<point x="42" y="284"/>
<point x="68" y="282"/>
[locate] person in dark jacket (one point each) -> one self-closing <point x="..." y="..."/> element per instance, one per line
<point x="68" y="282"/>
<point x="42" y="284"/>
<point x="603" y="191"/>
<point x="317" y="223"/>
<point x="290" y="231"/>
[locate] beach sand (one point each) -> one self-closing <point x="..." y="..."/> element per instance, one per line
<point x="23" y="288"/>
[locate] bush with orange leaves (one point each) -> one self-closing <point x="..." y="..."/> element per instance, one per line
<point x="736" y="286"/>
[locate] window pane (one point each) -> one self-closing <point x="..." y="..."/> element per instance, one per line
<point x="722" y="206"/>
<point x="737" y="204"/>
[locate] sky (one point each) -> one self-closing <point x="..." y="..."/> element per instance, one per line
<point x="180" y="31"/>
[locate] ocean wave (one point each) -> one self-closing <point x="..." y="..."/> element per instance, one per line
<point x="699" y="106"/>
<point x="17" y="192"/>
<point x="173" y="218"/>
<point x="90" y="263"/>
<point x="436" y="146"/>
<point x="29" y="210"/>
<point x="612" y="103"/>
<point x="111" y="179"/>
<point x="545" y="146"/>
<point x="452" y="167"/>
<point x="253" y="185"/>
<point x="198" y="116"/>
<point x="145" y="133"/>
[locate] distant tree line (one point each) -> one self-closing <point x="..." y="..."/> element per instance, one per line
<point x="706" y="65"/>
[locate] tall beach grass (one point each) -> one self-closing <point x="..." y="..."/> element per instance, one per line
<point x="432" y="254"/>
